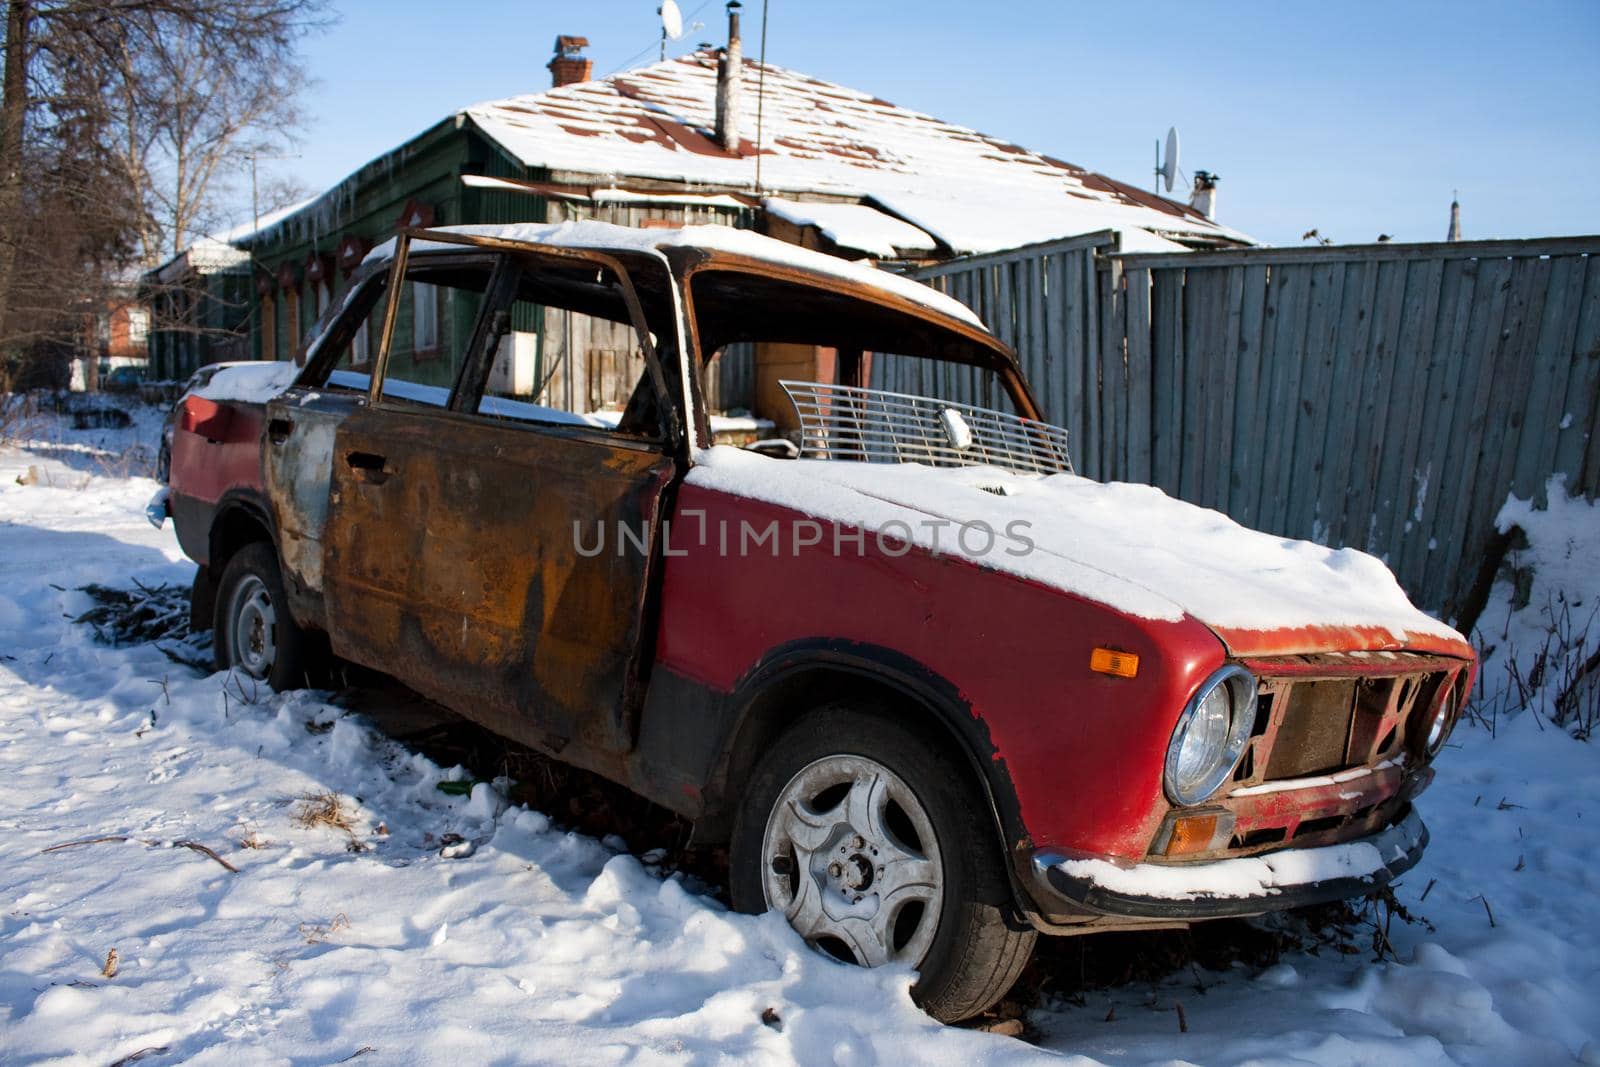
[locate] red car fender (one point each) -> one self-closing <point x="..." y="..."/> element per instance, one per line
<point x="1081" y="753"/>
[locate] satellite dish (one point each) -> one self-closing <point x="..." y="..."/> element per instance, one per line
<point x="1168" y="168"/>
<point x="671" y="20"/>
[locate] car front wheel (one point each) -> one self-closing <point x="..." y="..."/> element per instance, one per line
<point x="865" y="836"/>
<point x="254" y="633"/>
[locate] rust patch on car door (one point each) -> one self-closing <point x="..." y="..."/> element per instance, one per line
<point x="297" y="462"/>
<point x="453" y="564"/>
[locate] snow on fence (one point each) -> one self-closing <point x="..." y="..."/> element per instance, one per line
<point x="1383" y="396"/>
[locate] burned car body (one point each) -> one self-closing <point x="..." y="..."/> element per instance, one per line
<point x="1121" y="711"/>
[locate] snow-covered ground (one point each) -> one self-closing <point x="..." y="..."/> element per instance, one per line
<point x="530" y="944"/>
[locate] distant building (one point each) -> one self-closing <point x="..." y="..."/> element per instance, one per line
<point x="199" y="303"/>
<point x="123" y="332"/>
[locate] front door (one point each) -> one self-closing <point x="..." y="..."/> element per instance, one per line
<point x="452" y="554"/>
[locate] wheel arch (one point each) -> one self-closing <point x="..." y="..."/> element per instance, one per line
<point x="241" y="518"/>
<point x="800" y="675"/>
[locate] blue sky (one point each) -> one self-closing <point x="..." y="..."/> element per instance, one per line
<point x="1354" y="118"/>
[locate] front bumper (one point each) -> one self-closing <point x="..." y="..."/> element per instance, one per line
<point x="1247" y="885"/>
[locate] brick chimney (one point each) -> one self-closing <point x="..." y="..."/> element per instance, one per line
<point x="569" y="64"/>
<point x="728" y="68"/>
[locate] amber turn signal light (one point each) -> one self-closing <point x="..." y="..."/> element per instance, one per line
<point x="1192" y="834"/>
<point x="1110" y="661"/>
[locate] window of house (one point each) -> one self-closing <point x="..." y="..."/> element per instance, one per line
<point x="567" y="353"/>
<point x="425" y="316"/>
<point x="361" y="345"/>
<point x="422" y="369"/>
<point x="138" y="326"/>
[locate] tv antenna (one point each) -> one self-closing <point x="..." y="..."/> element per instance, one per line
<point x="1167" y="169"/>
<point x="671" y="24"/>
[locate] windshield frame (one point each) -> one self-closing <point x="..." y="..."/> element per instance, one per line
<point x="989" y="351"/>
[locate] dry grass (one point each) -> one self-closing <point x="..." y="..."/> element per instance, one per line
<point x="322" y="809"/>
<point x="1559" y="679"/>
<point x="135" y="462"/>
<point x="252" y="839"/>
<point x="327" y="810"/>
<point x="317" y="933"/>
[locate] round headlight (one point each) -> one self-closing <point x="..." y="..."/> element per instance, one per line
<point x="1211" y="735"/>
<point x="1441" y="718"/>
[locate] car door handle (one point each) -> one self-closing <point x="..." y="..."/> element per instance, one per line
<point x="368" y="466"/>
<point x="278" y="430"/>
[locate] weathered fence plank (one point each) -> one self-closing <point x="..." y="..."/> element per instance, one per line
<point x="1140" y="377"/>
<point x="1114" y="372"/>
<point x="1166" y="360"/>
<point x="1578" y="449"/>
<point x="1247" y="413"/>
<point x="1408" y="404"/>
<point x="1547" y="399"/>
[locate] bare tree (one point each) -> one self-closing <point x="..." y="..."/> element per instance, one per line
<point x="120" y="125"/>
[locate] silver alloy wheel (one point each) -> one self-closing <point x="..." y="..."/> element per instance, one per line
<point x="254" y="623"/>
<point x="850" y="858"/>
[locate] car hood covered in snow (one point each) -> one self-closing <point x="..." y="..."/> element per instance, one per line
<point x="1130" y="547"/>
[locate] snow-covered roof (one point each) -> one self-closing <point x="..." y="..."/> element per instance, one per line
<point x="606" y="236"/>
<point x="855" y="226"/>
<point x="973" y="192"/>
<point x="219" y="251"/>
<point x="207" y="255"/>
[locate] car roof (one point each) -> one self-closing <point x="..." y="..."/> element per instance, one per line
<point x="723" y="242"/>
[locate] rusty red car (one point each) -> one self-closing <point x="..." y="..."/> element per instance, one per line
<point x="936" y="693"/>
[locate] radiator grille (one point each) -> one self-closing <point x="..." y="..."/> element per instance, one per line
<point x="1314" y="736"/>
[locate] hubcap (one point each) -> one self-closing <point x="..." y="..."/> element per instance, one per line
<point x="852" y="862"/>
<point x="254" y="623"/>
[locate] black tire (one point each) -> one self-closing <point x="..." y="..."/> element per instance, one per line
<point x="979" y="945"/>
<point x="252" y="574"/>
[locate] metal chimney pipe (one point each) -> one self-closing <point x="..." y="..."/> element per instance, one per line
<point x="1204" y="197"/>
<point x="728" y="68"/>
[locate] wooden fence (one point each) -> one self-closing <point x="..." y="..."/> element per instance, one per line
<point x="1388" y="397"/>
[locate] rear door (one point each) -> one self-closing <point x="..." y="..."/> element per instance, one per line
<point x="452" y="554"/>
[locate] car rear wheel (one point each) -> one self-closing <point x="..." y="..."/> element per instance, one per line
<point x="859" y="830"/>
<point x="254" y="633"/>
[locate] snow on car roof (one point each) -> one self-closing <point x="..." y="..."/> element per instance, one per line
<point x="252" y="382"/>
<point x="604" y="236"/>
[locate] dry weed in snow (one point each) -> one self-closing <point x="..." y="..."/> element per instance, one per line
<point x="317" y="933"/>
<point x="327" y="809"/>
